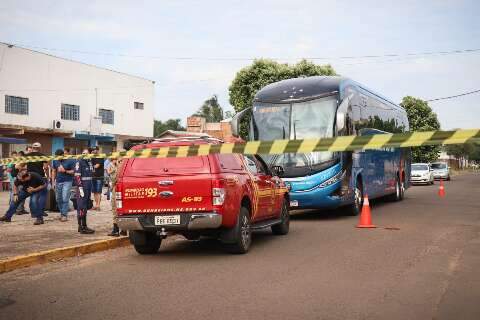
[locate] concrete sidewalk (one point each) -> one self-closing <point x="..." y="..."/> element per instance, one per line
<point x="21" y="237"/>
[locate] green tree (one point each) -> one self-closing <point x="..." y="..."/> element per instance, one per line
<point x="171" y="124"/>
<point x="421" y="118"/>
<point x="262" y="72"/>
<point x="470" y="151"/>
<point x="211" y="110"/>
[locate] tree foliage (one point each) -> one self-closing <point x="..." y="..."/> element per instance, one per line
<point x="262" y="72"/>
<point x="421" y="118"/>
<point x="171" y="124"/>
<point x="211" y="110"/>
<point x="470" y="151"/>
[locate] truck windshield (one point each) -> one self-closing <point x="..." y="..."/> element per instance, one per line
<point x="302" y="120"/>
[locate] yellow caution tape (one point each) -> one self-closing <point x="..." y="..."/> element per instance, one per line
<point x="344" y="143"/>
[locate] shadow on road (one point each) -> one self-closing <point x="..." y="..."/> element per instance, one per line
<point x="319" y="214"/>
<point x="209" y="247"/>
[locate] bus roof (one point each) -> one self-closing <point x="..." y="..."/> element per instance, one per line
<point x="306" y="88"/>
<point x="297" y="89"/>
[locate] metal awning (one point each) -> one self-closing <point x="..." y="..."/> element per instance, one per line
<point x="13" y="140"/>
<point x="99" y="137"/>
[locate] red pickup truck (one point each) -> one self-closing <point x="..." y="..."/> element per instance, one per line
<point x="226" y="196"/>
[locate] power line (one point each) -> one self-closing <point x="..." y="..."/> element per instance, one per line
<point x="193" y="58"/>
<point x="455" y="96"/>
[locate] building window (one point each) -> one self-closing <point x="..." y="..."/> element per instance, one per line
<point x="70" y="112"/>
<point x="138" y="105"/>
<point x="107" y="115"/>
<point x="16" y="105"/>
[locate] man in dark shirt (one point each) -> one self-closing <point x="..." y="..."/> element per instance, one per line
<point x="41" y="168"/>
<point x="97" y="178"/>
<point x="62" y="179"/>
<point x="32" y="186"/>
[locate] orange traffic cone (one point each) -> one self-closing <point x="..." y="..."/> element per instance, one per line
<point x="365" y="216"/>
<point x="441" y="189"/>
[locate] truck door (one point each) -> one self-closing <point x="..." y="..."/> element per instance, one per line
<point x="264" y="188"/>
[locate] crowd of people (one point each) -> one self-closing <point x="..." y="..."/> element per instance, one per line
<point x="71" y="180"/>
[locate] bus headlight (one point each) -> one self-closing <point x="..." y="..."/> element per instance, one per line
<point x="339" y="176"/>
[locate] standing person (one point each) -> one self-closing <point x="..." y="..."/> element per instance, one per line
<point x="97" y="178"/>
<point x="12" y="172"/>
<point x="33" y="185"/>
<point x="83" y="182"/>
<point x="113" y="173"/>
<point x="106" y="164"/>
<point x="41" y="168"/>
<point x="62" y="179"/>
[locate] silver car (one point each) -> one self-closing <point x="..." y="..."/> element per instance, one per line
<point x="422" y="173"/>
<point x="441" y="171"/>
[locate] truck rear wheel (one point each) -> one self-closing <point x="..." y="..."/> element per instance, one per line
<point x="283" y="227"/>
<point x="145" y="242"/>
<point x="243" y="234"/>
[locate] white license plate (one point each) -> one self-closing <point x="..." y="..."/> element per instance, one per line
<point x="294" y="203"/>
<point x="165" y="220"/>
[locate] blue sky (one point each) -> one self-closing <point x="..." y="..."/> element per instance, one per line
<point x="287" y="30"/>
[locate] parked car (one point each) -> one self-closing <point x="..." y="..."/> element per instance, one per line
<point x="422" y="173"/>
<point x="226" y="196"/>
<point x="441" y="171"/>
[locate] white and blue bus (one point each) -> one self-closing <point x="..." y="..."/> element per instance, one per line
<point x="329" y="106"/>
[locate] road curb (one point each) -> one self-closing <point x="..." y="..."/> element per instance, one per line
<point x="35" y="258"/>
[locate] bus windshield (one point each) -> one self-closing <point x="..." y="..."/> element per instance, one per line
<point x="302" y="120"/>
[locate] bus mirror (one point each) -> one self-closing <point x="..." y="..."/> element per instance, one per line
<point x="342" y="112"/>
<point x="235" y="122"/>
<point x="340" y="121"/>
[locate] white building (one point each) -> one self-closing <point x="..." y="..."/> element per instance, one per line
<point x="60" y="102"/>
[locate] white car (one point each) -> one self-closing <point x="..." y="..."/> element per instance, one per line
<point x="422" y="173"/>
<point x="441" y="171"/>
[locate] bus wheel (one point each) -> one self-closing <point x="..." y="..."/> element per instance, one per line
<point x="399" y="190"/>
<point x="356" y="207"/>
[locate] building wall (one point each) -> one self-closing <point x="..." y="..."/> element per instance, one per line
<point x="49" y="81"/>
<point x="220" y="130"/>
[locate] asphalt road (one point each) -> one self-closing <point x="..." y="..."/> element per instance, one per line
<point x="324" y="269"/>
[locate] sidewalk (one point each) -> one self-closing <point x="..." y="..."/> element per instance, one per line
<point x="21" y="237"/>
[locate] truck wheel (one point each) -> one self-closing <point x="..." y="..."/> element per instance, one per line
<point x="356" y="207"/>
<point x="145" y="242"/>
<point x="283" y="227"/>
<point x="243" y="233"/>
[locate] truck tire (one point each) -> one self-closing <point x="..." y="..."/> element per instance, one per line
<point x="242" y="238"/>
<point x="283" y="227"/>
<point x="145" y="242"/>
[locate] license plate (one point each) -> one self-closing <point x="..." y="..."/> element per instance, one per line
<point x="165" y="220"/>
<point x="294" y="203"/>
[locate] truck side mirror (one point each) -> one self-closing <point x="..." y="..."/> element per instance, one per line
<point x="235" y="121"/>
